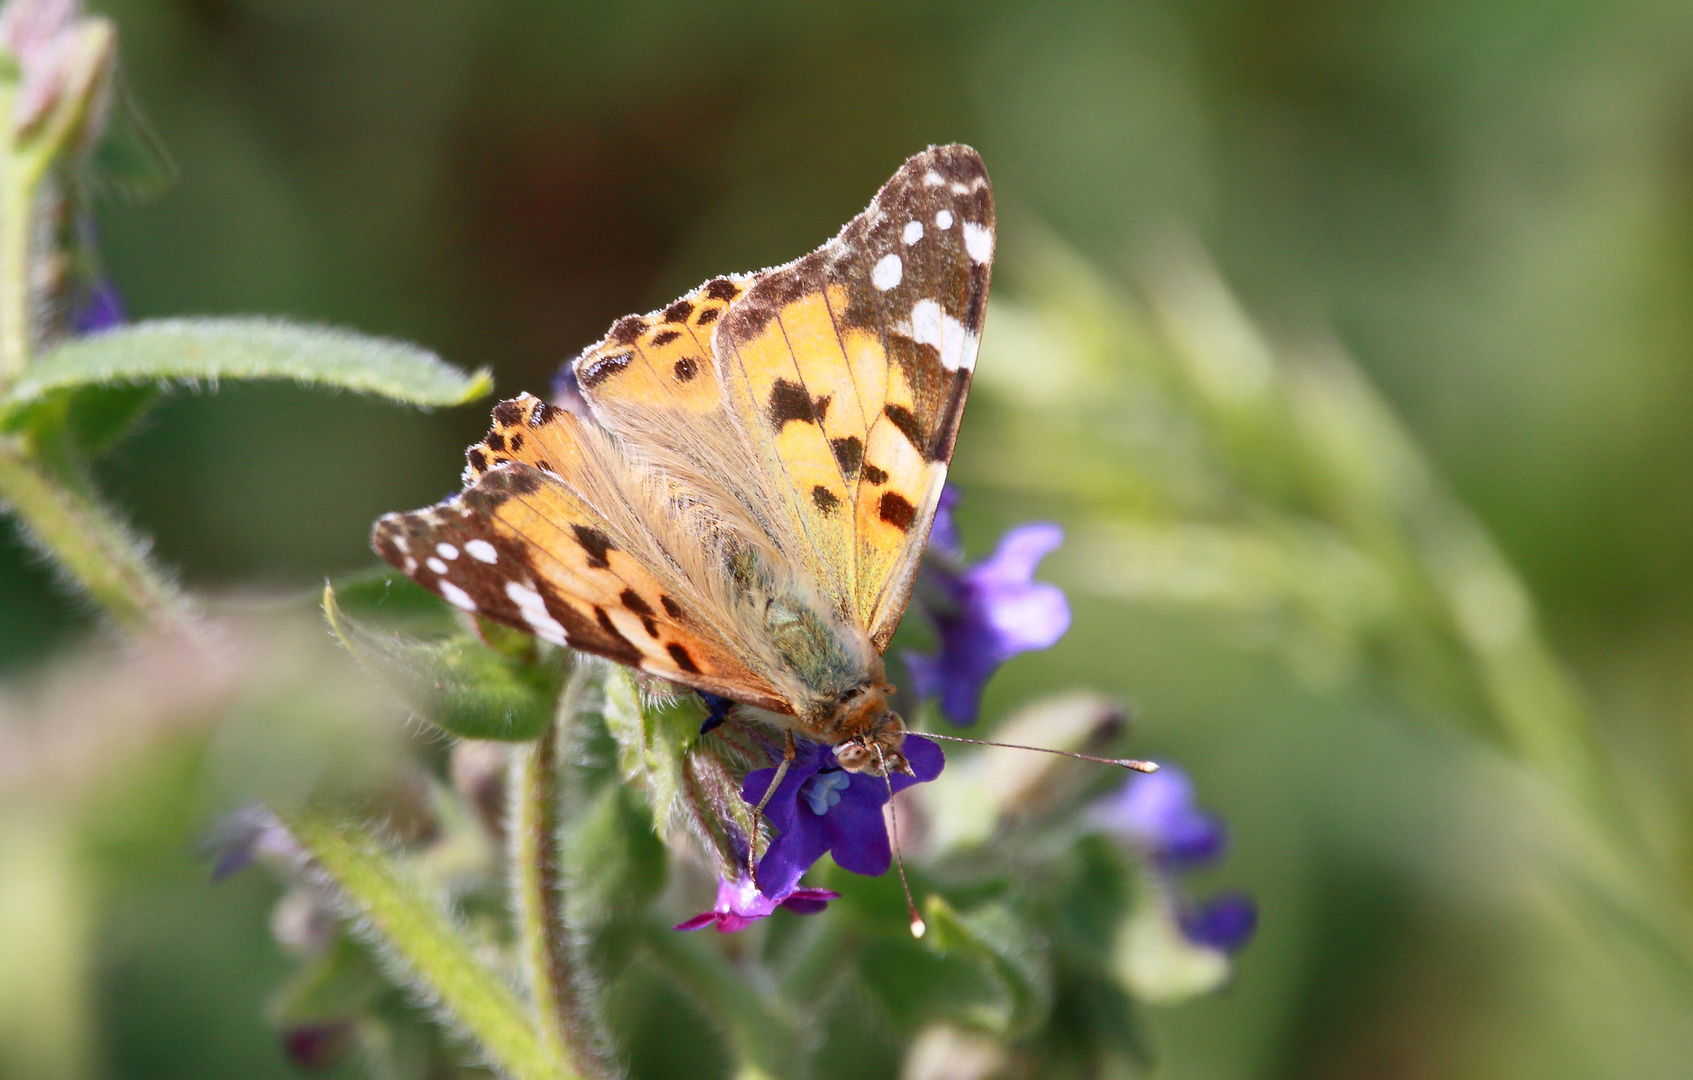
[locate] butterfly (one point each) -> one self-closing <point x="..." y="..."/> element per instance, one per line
<point x="743" y="505"/>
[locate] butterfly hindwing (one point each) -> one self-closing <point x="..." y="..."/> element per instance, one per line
<point x="848" y="369"/>
<point x="518" y="546"/>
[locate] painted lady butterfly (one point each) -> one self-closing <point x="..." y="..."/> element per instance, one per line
<point x="745" y="508"/>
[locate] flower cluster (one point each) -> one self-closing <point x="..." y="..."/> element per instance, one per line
<point x="819" y="808"/>
<point x="1159" y="818"/>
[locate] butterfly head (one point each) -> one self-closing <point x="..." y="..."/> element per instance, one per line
<point x="880" y="734"/>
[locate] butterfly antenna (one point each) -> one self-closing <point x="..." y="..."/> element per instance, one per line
<point x="918" y="926"/>
<point x="1127" y="763"/>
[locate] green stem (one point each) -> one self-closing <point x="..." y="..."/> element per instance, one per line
<point x="557" y="974"/>
<point x="412" y="930"/>
<point x="535" y="882"/>
<point x="90" y="543"/>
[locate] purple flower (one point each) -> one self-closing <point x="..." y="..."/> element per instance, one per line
<point x="740" y="904"/>
<point x="1224" y="922"/>
<point x="567" y="392"/>
<point x="984" y="614"/>
<point x="245" y="836"/>
<point x="102" y="310"/>
<point x="821" y="808"/>
<point x="1157" y="813"/>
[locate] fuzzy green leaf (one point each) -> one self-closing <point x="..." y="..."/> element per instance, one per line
<point x="996" y="939"/>
<point x="653" y="739"/>
<point x="415" y="933"/>
<point x="207" y="351"/>
<point x="458" y="684"/>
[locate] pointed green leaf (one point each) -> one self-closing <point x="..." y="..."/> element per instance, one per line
<point x="458" y="684"/>
<point x="207" y="351"/>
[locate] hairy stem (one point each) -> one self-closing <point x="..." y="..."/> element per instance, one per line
<point x="91" y="544"/>
<point x="556" y="974"/>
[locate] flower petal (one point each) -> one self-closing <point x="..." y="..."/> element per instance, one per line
<point x="808" y="760"/>
<point x="858" y="835"/>
<point x="698" y="922"/>
<point x="926" y="760"/>
<point x="1160" y="813"/>
<point x="1225" y="922"/>
<point x="791" y="854"/>
<point x="1019" y="553"/>
<point x="809" y="901"/>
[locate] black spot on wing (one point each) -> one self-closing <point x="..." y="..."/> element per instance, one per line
<point x="602" y="369"/>
<point x="683" y="660"/>
<point x="906" y="421"/>
<point x="508" y="413"/>
<point x="789" y="401"/>
<point x="596" y="544"/>
<point x="722" y="289"/>
<point x="665" y="337"/>
<point x="708" y="316"/>
<point x="896" y="510"/>
<point x="678" y="312"/>
<point x="478" y="460"/>
<point x="686" y="368"/>
<point x="824" y="499"/>
<point x="495" y="441"/>
<point x="849" y="454"/>
<point x="874" y="475"/>
<point x="671" y="607"/>
<point x="627" y="330"/>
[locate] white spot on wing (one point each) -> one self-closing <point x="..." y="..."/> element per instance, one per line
<point x="913" y="232"/>
<point x="482" y="551"/>
<point x="978" y="242"/>
<point x="447" y="551"/>
<point x="932" y="326"/>
<point x="943" y="220"/>
<point x="960" y="189"/>
<point x="456" y="596"/>
<point x="887" y="272"/>
<point x="933" y="178"/>
<point x="436" y="565"/>
<point x="534" y="612"/>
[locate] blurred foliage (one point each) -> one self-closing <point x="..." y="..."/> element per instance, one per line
<point x="1486" y="205"/>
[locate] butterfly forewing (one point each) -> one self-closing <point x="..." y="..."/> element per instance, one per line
<point x="848" y="370"/>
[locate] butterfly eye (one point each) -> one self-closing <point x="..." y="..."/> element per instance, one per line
<point x="848" y="695"/>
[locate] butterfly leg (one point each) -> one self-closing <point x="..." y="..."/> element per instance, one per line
<point x="788" y="752"/>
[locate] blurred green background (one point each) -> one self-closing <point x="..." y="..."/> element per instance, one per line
<point x="1488" y="204"/>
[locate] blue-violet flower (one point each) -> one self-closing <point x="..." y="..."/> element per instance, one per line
<point x="985" y="614"/>
<point x="1159" y="816"/>
<point x="821" y="808"/>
